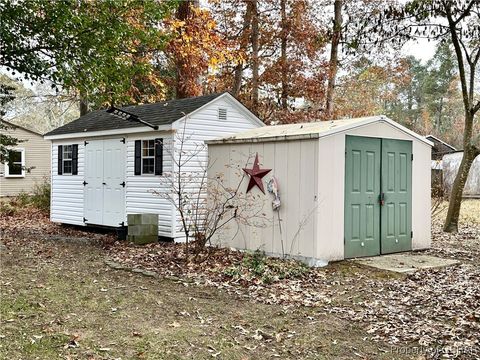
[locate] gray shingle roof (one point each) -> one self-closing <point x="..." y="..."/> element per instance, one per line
<point x="162" y="113"/>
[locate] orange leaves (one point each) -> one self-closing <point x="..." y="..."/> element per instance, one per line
<point x="196" y="49"/>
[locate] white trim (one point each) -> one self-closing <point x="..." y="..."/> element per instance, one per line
<point x="22" y="157"/>
<point x="255" y="120"/>
<point x="443" y="142"/>
<point x="316" y="135"/>
<point x="125" y="131"/>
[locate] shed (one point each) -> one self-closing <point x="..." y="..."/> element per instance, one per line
<point x="439" y="149"/>
<point x="347" y="188"/>
<point x="30" y="161"/>
<point x="109" y="163"/>
<point x="451" y="163"/>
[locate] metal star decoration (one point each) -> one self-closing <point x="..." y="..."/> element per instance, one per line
<point x="256" y="175"/>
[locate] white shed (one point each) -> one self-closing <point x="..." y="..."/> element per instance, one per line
<point x="347" y="188"/>
<point x="108" y="163"/>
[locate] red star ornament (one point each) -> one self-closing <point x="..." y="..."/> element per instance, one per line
<point x="256" y="175"/>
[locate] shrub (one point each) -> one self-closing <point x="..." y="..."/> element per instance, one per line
<point x="256" y="265"/>
<point x="39" y="199"/>
<point x="7" y="209"/>
<point x="41" y="196"/>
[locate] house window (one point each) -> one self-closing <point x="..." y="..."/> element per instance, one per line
<point x="148" y="156"/>
<point x="222" y="114"/>
<point x="16" y="163"/>
<point x="67" y="159"/>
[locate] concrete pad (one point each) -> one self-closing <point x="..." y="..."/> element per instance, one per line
<point x="405" y="262"/>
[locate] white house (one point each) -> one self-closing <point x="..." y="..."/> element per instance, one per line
<point x="107" y="163"/>
<point x="347" y="188"/>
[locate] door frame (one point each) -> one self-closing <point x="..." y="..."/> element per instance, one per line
<point x="381" y="252"/>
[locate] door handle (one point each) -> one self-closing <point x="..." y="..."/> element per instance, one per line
<point x="381" y="199"/>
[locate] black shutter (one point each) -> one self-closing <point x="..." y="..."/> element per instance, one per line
<point x="138" y="157"/>
<point x="75" y="159"/>
<point x="60" y="158"/>
<point x="158" y="156"/>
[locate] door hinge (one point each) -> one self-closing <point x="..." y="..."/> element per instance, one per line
<point x="85" y="143"/>
<point x="123" y="140"/>
<point x="85" y="220"/>
<point x="411" y="234"/>
<point x="412" y="157"/>
<point x="85" y="183"/>
<point x="123" y="184"/>
<point x="104" y="183"/>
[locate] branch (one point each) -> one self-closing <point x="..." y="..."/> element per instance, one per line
<point x="466" y="12"/>
<point x="476" y="108"/>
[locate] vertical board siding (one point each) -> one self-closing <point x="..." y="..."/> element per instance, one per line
<point x="37" y="159"/>
<point x="291" y="230"/>
<point x="139" y="190"/>
<point x="67" y="190"/>
<point x="202" y="126"/>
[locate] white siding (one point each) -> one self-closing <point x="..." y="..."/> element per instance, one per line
<point x="139" y="196"/>
<point x="205" y="125"/>
<point x="67" y="190"/>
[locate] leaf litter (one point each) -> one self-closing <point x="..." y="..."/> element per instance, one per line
<point x="437" y="308"/>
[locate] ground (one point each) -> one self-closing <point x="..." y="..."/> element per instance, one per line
<point x="70" y="294"/>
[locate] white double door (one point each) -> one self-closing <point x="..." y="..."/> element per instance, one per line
<point x="105" y="182"/>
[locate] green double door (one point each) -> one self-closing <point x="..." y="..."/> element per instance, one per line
<point x="378" y="196"/>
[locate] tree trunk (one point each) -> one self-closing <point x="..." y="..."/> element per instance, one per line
<point x="283" y="54"/>
<point x="83" y="104"/>
<point x="333" y="64"/>
<point x="470" y="152"/>
<point x="184" y="11"/>
<point x="255" y="59"/>
<point x="247" y="21"/>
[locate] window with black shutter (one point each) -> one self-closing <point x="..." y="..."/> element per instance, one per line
<point x="68" y="159"/>
<point x="149" y="157"/>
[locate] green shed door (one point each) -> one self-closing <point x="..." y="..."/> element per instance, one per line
<point x="362" y="187"/>
<point x="396" y="213"/>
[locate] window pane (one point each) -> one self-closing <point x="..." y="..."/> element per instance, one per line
<point x="15" y="169"/>
<point x="15" y="156"/>
<point x="67" y="152"/>
<point x="67" y="167"/>
<point x="148" y="166"/>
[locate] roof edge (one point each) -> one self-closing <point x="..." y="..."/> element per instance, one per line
<point x="21" y="127"/>
<point x="443" y="142"/>
<point x="86" y="134"/>
<point x="318" y="135"/>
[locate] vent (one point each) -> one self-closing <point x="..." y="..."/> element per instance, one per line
<point x="222" y="114"/>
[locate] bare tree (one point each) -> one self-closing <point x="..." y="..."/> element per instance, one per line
<point x="204" y="204"/>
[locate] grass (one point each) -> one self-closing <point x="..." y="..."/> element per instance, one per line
<point x="59" y="300"/>
<point x="469" y="212"/>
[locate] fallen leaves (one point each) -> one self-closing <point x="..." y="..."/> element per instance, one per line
<point x="438" y="309"/>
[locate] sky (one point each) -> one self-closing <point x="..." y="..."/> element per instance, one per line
<point x="421" y="49"/>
